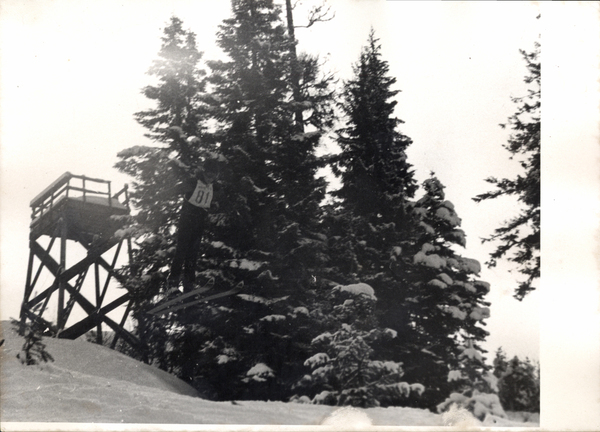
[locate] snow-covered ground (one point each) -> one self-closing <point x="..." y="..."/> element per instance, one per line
<point x="89" y="383"/>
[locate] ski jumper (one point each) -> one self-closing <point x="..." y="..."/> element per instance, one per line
<point x="192" y="220"/>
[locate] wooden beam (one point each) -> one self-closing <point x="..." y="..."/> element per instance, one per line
<point x="63" y="265"/>
<point x="39" y="270"/>
<point x="89" y="308"/>
<point x="98" y="302"/>
<point x="86" y="305"/>
<point x="46" y="301"/>
<point x="92" y="256"/>
<point x="72" y="271"/>
<point x="71" y="301"/>
<point x="41" y="296"/>
<point x="28" y="285"/>
<point x="54" y="268"/>
<point x="91" y="321"/>
<point x="113" y="344"/>
<point x="112" y="267"/>
<point x="52" y="265"/>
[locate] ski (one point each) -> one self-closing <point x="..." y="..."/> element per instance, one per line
<point x="193" y="302"/>
<point x="209" y="285"/>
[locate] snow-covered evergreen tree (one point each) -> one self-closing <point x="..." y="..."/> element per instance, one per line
<point x="272" y="196"/>
<point x="180" y="83"/>
<point x="406" y="249"/>
<point x="266" y="229"/>
<point x="475" y="387"/>
<point x="368" y="221"/>
<point x="441" y="301"/>
<point x="376" y="178"/>
<point x="500" y="364"/>
<point x="175" y="125"/>
<point x="518" y="383"/>
<point x="344" y="368"/>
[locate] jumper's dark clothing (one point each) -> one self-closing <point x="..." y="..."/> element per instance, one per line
<point x="192" y="220"/>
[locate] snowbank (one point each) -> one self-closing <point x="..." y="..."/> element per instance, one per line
<point x="88" y="383"/>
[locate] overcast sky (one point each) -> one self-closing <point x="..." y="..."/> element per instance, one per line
<point x="71" y="74"/>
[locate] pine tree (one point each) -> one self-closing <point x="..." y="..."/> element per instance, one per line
<point x="343" y="368"/>
<point x="376" y="178"/>
<point x="475" y="387"/>
<point x="368" y="219"/>
<point x="33" y="351"/>
<point x="266" y="229"/>
<point x="271" y="174"/>
<point x="175" y="125"/>
<point x="177" y="114"/>
<point x="519" y="237"/>
<point x="518" y="384"/>
<point x="500" y="363"/>
<point x="303" y="67"/>
<point x="439" y="302"/>
<point x="404" y="248"/>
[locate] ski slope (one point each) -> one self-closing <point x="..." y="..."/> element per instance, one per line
<point x="89" y="383"/>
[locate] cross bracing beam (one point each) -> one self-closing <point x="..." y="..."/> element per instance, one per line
<point x="95" y="313"/>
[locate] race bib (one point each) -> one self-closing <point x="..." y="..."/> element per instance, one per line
<point x="202" y="195"/>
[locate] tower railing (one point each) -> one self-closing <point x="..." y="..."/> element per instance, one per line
<point x="64" y="186"/>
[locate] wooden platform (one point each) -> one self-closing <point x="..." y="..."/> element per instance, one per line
<point x="88" y="213"/>
<point x="85" y="219"/>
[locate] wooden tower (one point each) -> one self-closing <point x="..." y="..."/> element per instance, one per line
<point x="82" y="210"/>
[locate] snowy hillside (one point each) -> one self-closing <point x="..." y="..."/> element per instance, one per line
<point x="93" y="384"/>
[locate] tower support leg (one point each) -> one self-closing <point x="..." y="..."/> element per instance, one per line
<point x="62" y="282"/>
<point x="28" y="289"/>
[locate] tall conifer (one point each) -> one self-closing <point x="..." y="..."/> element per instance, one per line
<point x="376" y="178"/>
<point x="267" y="225"/>
<point x="174" y="124"/>
<point x="518" y="239"/>
<point x="404" y="248"/>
